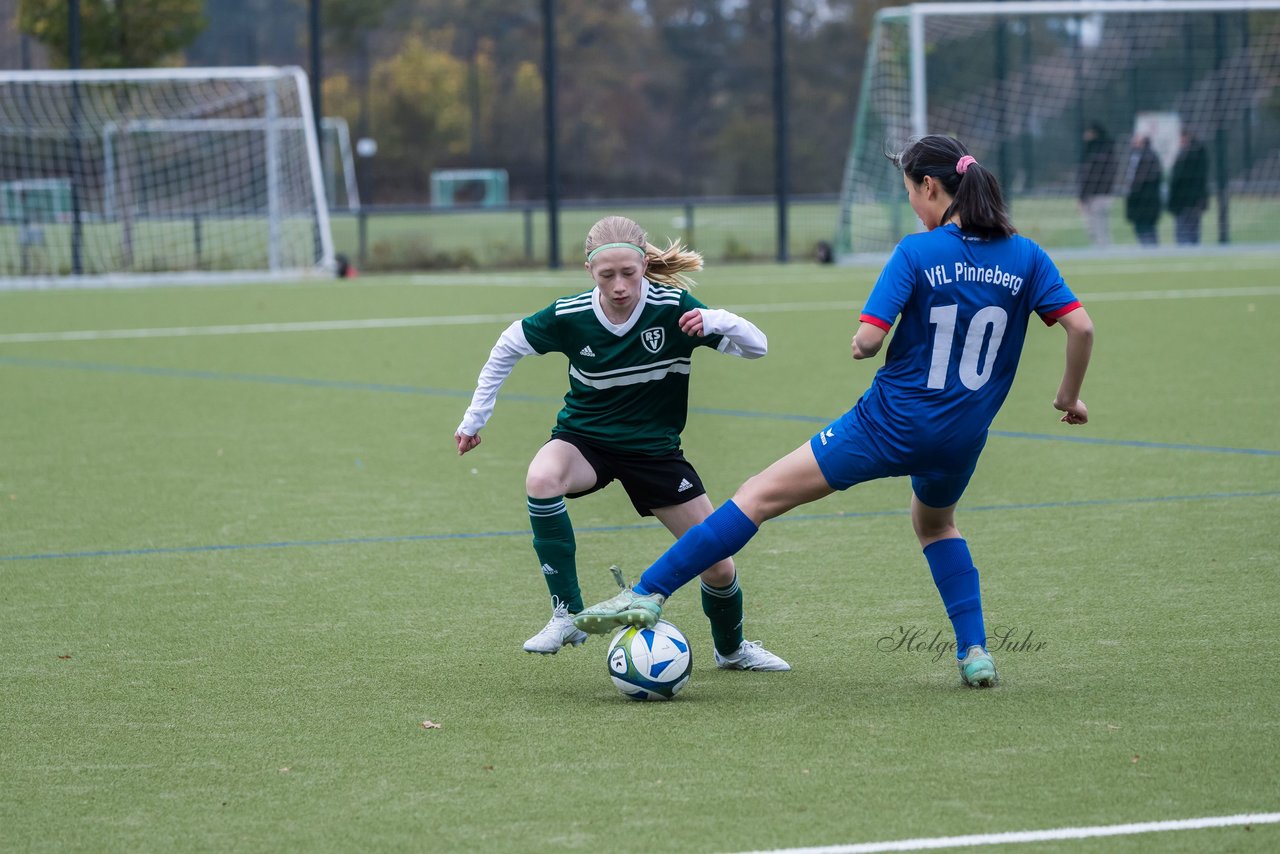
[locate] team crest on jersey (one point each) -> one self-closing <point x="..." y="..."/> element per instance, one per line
<point x="653" y="338"/>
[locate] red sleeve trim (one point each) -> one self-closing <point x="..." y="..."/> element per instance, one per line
<point x="875" y="321"/>
<point x="1052" y="317"/>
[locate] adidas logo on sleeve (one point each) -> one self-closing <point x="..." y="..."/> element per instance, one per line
<point x="586" y="351"/>
<point x="684" y="484"/>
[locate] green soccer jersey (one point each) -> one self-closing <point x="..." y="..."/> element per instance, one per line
<point x="629" y="383"/>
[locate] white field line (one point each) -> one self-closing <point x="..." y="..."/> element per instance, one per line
<point x="1197" y="293"/>
<point x="257" y="328"/>
<point x="933" y="843"/>
<point x="481" y="319"/>
<point x="748" y="275"/>
<point x="764" y="274"/>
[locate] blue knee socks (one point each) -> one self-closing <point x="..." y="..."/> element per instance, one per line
<point x="719" y="536"/>
<point x="957" y="580"/>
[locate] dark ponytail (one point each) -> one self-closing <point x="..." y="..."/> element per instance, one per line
<point x="975" y="193"/>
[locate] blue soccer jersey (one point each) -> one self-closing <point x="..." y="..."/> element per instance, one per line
<point x="964" y="304"/>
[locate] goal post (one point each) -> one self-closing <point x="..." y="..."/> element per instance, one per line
<point x="1020" y="81"/>
<point x="160" y="175"/>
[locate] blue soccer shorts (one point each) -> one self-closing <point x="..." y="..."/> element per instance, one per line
<point x="849" y="452"/>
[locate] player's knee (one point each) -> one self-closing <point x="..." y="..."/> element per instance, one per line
<point x="721" y="574"/>
<point x="539" y="483"/>
<point x="931" y="530"/>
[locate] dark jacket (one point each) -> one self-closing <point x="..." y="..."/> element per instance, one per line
<point x="1189" y="180"/>
<point x="1142" y="201"/>
<point x="1098" y="169"/>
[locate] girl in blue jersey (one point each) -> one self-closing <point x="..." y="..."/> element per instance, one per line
<point x="962" y="294"/>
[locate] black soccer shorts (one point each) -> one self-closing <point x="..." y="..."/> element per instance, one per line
<point x="661" y="480"/>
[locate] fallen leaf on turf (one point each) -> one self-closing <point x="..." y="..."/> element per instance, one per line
<point x="284" y="770"/>
<point x="1111" y="726"/>
<point x="1135" y="758"/>
<point x="431" y="725"/>
<point x="486" y="767"/>
<point x="64" y="657"/>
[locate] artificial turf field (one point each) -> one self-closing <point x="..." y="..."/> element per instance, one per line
<point x="241" y="565"/>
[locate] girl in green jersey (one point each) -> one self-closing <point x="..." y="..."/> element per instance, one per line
<point x="629" y="342"/>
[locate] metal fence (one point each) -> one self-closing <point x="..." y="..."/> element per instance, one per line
<point x="415" y="237"/>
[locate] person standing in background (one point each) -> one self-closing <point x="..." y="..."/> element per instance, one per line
<point x="1142" y="190"/>
<point x="1189" y="189"/>
<point x="1097" y="178"/>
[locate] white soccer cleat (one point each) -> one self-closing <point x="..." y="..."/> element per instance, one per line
<point x="750" y="655"/>
<point x="559" y="631"/>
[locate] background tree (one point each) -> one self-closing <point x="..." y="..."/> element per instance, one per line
<point x="346" y="21"/>
<point x="419" y="105"/>
<point x="656" y="97"/>
<point x="115" y="33"/>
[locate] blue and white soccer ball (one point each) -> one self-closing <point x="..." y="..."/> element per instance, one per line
<point x="650" y="664"/>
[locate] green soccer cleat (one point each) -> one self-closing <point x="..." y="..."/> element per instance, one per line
<point x="978" y="669"/>
<point x="628" y="608"/>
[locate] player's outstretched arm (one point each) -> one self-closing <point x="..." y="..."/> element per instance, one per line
<point x="512" y="346"/>
<point x="1079" y="329"/>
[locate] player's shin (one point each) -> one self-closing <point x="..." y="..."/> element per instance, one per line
<point x="556" y="548"/>
<point x="723" y="607"/>
<point x="957" y="580"/>
<point x="719" y="536"/>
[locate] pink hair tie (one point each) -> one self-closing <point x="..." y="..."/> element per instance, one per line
<point x="963" y="164"/>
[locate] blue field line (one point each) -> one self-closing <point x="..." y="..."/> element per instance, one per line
<point x="1134" y="443"/>
<point x="268" y="379"/>
<point x="608" y="529"/>
<point x="389" y="388"/>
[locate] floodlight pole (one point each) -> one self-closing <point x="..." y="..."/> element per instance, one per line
<point x="1220" y="136"/>
<point x="549" y="108"/>
<point x="781" y="177"/>
<point x="73" y="62"/>
<point x="317" y="74"/>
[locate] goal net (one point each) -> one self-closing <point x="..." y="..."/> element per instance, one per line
<point x="1020" y="83"/>
<point x="159" y="174"/>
